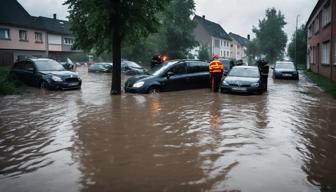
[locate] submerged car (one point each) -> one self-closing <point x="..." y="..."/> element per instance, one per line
<point x="227" y="66"/>
<point x="173" y="75"/>
<point x="45" y="73"/>
<point x="242" y="79"/>
<point x="100" y="68"/>
<point x="285" y="70"/>
<point x="131" y="68"/>
<point x="68" y="64"/>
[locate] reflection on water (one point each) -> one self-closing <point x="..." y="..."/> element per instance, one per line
<point x="86" y="140"/>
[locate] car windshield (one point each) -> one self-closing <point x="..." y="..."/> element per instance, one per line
<point x="244" y="72"/>
<point x="48" y="65"/>
<point x="161" y="68"/>
<point x="132" y="64"/>
<point x="226" y="64"/>
<point x="285" y="66"/>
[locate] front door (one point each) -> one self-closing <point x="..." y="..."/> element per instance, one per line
<point x="175" y="78"/>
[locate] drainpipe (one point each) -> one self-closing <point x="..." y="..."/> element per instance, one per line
<point x="47" y="44"/>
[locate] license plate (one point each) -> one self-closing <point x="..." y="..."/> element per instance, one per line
<point x="73" y="84"/>
<point x="238" y="89"/>
<point x="286" y="75"/>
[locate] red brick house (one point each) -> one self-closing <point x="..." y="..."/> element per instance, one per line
<point x="321" y="39"/>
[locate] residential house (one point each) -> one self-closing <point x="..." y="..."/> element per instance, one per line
<point x="238" y="47"/>
<point x="321" y="44"/>
<point x="212" y="35"/>
<point x="23" y="35"/>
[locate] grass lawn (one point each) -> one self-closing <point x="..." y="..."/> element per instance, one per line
<point x="8" y="87"/>
<point x="324" y="83"/>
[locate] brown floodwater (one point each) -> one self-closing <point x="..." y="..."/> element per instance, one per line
<point x="86" y="140"/>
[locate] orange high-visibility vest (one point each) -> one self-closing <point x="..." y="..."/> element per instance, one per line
<point x="216" y="67"/>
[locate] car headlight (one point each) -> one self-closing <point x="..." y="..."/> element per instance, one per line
<point x="225" y="83"/>
<point x="56" y="78"/>
<point x="255" y="85"/>
<point x="138" y="84"/>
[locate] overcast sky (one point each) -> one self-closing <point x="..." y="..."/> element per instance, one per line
<point x="236" y="16"/>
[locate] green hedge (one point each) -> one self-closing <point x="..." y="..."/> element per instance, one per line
<point x="7" y="86"/>
<point x="324" y="83"/>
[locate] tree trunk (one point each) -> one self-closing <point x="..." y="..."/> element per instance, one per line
<point x="116" y="48"/>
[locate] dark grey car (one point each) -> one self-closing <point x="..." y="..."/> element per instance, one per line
<point x="285" y="70"/>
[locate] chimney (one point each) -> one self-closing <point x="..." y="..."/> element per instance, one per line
<point x="203" y="16"/>
<point x="248" y="37"/>
<point x="54" y="15"/>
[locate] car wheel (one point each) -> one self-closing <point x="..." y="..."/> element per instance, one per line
<point x="153" y="90"/>
<point x="44" y="85"/>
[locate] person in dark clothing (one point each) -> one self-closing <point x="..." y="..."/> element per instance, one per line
<point x="156" y="60"/>
<point x="264" y="70"/>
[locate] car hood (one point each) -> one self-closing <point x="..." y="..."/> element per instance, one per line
<point x="284" y="70"/>
<point x="130" y="81"/>
<point x="241" y="80"/>
<point x="63" y="74"/>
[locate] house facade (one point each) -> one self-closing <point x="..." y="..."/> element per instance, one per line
<point x="238" y="47"/>
<point x="23" y="35"/>
<point x="212" y="35"/>
<point x="321" y="45"/>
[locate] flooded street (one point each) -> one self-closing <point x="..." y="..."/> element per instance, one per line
<point x="86" y="140"/>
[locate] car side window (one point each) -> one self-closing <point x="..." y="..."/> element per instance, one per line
<point x="179" y="69"/>
<point x="19" y="66"/>
<point x="28" y="65"/>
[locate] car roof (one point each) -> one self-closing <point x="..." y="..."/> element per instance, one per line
<point x="246" y="67"/>
<point x="280" y="62"/>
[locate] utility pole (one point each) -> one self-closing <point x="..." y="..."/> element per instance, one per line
<point x="297" y="18"/>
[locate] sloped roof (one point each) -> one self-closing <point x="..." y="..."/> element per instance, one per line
<point x="55" y="25"/>
<point x="214" y="29"/>
<point x="12" y="13"/>
<point x="241" y="40"/>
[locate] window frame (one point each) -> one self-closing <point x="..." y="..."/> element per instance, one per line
<point x="325" y="53"/>
<point x="8" y="33"/>
<point x="38" y="40"/>
<point x="26" y="35"/>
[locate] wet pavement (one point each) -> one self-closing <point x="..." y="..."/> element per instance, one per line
<point x="86" y="140"/>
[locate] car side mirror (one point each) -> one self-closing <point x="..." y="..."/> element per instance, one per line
<point x="169" y="74"/>
<point x="272" y="67"/>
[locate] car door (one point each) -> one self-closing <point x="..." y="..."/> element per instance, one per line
<point x="17" y="71"/>
<point x="175" y="77"/>
<point x="198" y="74"/>
<point x="29" y="73"/>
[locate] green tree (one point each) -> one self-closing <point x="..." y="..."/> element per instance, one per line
<point x="103" y="26"/>
<point x="179" y="28"/>
<point x="252" y="50"/>
<point x="270" y="35"/>
<point x="301" y="46"/>
<point x="203" y="53"/>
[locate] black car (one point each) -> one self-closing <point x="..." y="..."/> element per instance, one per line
<point x="45" y="73"/>
<point x="101" y="68"/>
<point x="285" y="70"/>
<point x="227" y="66"/>
<point x="68" y="64"/>
<point x="242" y="79"/>
<point x="171" y="76"/>
<point x="131" y="68"/>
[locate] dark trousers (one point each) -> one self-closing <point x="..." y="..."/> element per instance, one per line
<point x="215" y="81"/>
<point x="264" y="79"/>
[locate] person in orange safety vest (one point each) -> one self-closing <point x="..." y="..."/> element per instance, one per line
<point x="216" y="70"/>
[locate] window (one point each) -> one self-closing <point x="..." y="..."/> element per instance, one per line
<point x="68" y="41"/>
<point x="310" y="33"/>
<point x="325" y="59"/>
<point x="23" y="35"/>
<point x="326" y="16"/>
<point x="317" y="25"/>
<point x="38" y="37"/>
<point x="216" y="43"/>
<point x="4" y="33"/>
<point x="197" y="67"/>
<point x="179" y="69"/>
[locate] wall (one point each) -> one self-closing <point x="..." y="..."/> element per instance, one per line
<point x="15" y="43"/>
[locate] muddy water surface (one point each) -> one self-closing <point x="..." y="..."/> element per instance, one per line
<point x="86" y="140"/>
